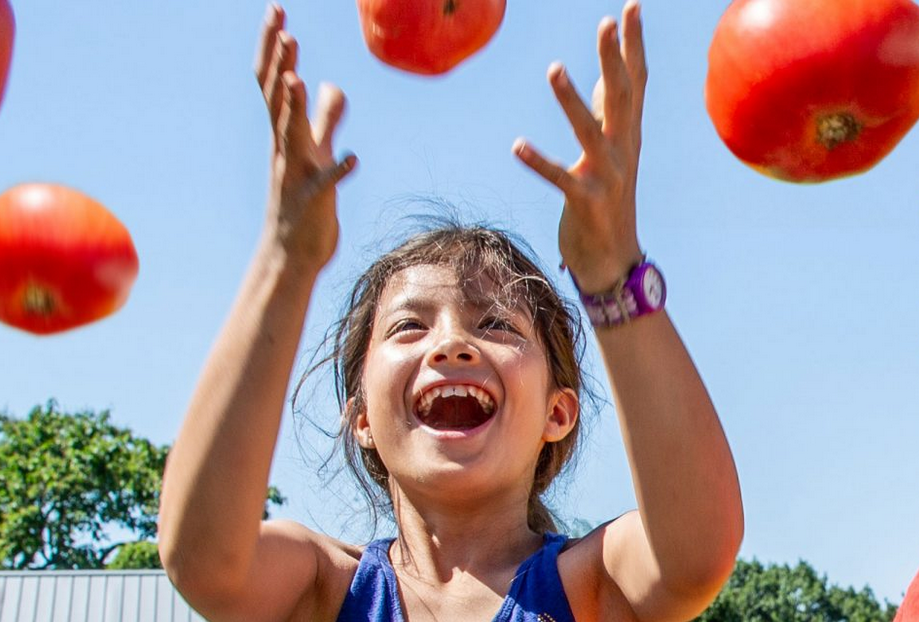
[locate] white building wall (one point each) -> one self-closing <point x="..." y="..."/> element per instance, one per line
<point x="91" y="596"/>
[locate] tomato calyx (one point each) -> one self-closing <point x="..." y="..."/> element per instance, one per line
<point x="38" y="300"/>
<point x="838" y="128"/>
<point x="449" y="7"/>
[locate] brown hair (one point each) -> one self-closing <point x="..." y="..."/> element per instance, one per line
<point x="471" y="251"/>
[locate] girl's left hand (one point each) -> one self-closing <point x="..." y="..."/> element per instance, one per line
<point x="302" y="202"/>
<point x="598" y="236"/>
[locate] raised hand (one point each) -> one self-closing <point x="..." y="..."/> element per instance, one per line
<point x="302" y="200"/>
<point x="598" y="236"/>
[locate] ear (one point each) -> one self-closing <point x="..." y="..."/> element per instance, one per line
<point x="360" y="427"/>
<point x="563" y="414"/>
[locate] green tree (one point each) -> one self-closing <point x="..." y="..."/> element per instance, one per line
<point x="67" y="481"/>
<point x="136" y="555"/>
<point x="274" y="497"/>
<point x="758" y="593"/>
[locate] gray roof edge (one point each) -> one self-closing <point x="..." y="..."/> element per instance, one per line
<point x="80" y="573"/>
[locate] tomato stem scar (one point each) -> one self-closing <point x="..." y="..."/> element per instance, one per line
<point x="836" y="129"/>
<point x="449" y="7"/>
<point x="38" y="300"/>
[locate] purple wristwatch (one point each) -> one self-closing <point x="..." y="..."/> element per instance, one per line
<point x="642" y="292"/>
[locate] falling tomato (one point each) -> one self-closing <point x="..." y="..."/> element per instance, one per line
<point x="428" y="37"/>
<point x="65" y="260"/>
<point x="809" y="91"/>
<point x="7" y="33"/>
<point x="909" y="608"/>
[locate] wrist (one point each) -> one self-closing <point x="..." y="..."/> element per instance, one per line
<point x="602" y="276"/>
<point x="642" y="291"/>
<point x="285" y="264"/>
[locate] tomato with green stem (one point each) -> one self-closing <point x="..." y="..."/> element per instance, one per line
<point x="817" y="90"/>
<point x="428" y="37"/>
<point x="65" y="260"/>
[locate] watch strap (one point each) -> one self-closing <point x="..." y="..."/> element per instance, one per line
<point x="619" y="305"/>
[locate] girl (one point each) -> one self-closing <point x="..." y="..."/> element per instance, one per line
<point x="461" y="396"/>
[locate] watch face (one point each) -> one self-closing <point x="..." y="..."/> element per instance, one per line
<point x="652" y="286"/>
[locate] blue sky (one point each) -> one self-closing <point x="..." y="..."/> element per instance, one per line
<point x="799" y="304"/>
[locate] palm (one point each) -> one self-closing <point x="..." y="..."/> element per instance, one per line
<point x="302" y="206"/>
<point x="597" y="231"/>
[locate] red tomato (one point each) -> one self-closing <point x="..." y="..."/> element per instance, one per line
<point x="812" y="90"/>
<point x="7" y="32"/>
<point x="909" y="608"/>
<point x="428" y="36"/>
<point x="65" y="260"/>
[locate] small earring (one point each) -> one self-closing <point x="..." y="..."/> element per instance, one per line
<point x="369" y="439"/>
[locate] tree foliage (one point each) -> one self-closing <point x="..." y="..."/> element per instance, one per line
<point x="140" y="555"/>
<point x="758" y="593"/>
<point x="66" y="481"/>
<point x="69" y="481"/>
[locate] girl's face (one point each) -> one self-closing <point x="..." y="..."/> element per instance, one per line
<point x="459" y="401"/>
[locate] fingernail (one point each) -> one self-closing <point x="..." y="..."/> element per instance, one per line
<point x="558" y="74"/>
<point x="348" y="165"/>
<point x="273" y="12"/>
<point x="520" y="146"/>
<point x="612" y="28"/>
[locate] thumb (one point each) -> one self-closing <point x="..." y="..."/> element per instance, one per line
<point x="329" y="177"/>
<point x="339" y="171"/>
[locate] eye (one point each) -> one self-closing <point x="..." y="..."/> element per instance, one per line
<point x="498" y="323"/>
<point x="406" y="325"/>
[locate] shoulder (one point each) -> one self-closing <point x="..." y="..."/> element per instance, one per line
<point x="583" y="565"/>
<point x="297" y="574"/>
<point x="327" y="566"/>
<point x="614" y="574"/>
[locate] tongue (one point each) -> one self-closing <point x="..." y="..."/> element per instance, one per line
<point x="455" y="413"/>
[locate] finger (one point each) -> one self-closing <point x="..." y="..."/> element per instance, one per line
<point x="326" y="179"/>
<point x="274" y="23"/>
<point x="296" y="142"/>
<point x="331" y="176"/>
<point x="552" y="172"/>
<point x="633" y="54"/>
<point x="284" y="59"/>
<point x="582" y="121"/>
<point x="597" y="100"/>
<point x="330" y="109"/>
<point x="617" y="102"/>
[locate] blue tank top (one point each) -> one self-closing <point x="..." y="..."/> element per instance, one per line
<point x="536" y="594"/>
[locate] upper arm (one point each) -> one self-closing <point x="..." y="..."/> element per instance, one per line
<point x="626" y="581"/>
<point x="294" y="569"/>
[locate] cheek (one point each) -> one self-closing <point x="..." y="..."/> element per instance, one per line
<point x="386" y="378"/>
<point x="530" y="364"/>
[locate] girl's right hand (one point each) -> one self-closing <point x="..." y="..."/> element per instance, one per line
<point x="301" y="204"/>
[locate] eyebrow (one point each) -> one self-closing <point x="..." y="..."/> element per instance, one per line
<point x="423" y="304"/>
<point x="409" y="303"/>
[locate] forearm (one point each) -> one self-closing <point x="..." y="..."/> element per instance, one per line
<point x="684" y="475"/>
<point x="217" y="474"/>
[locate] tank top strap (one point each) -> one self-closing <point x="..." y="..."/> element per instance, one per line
<point x="374" y="592"/>
<point x="537" y="593"/>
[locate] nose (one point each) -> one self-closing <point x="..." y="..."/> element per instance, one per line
<point x="453" y="347"/>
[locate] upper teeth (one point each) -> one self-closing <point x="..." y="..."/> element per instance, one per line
<point x="459" y="390"/>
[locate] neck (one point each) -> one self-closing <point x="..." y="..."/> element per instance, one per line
<point x="441" y="539"/>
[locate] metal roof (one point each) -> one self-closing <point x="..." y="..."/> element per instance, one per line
<point x="91" y="596"/>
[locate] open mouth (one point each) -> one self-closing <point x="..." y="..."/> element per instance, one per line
<point x="454" y="407"/>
